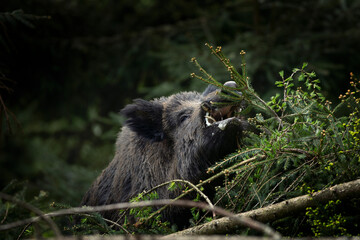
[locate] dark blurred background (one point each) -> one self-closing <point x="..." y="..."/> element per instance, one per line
<point x="68" y="66"/>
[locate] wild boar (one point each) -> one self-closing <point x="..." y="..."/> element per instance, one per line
<point x="175" y="137"/>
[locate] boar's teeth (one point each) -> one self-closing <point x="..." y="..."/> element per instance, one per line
<point x="207" y="117"/>
<point x="207" y="122"/>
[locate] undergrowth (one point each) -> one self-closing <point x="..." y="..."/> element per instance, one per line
<point x="306" y="144"/>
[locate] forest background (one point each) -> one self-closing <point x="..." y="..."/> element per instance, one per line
<point x="68" y="67"/>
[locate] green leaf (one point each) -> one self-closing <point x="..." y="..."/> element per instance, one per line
<point x="289" y="79"/>
<point x="296" y="119"/>
<point x="305" y="64"/>
<point x="312" y="74"/>
<point x="301" y="77"/>
<point x="279" y="84"/>
<point x="281" y="73"/>
<point x="172" y="186"/>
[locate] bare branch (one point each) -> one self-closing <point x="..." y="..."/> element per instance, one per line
<point x="247" y="222"/>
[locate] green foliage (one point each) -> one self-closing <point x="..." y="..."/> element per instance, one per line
<point x="305" y="141"/>
<point x="89" y="224"/>
<point x="11" y="212"/>
<point x="144" y="224"/>
<point x="326" y="220"/>
<point x="305" y="145"/>
<point x="352" y="100"/>
<point x="196" y="213"/>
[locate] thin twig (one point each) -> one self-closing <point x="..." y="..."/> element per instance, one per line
<point x="6" y="214"/>
<point x="182" y="181"/>
<point x="298" y="150"/>
<point x="257" y="157"/>
<point x="109" y="221"/>
<point x="22" y="231"/>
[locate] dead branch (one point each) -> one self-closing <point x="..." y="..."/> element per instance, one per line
<point x="280" y="210"/>
<point x="247" y="222"/>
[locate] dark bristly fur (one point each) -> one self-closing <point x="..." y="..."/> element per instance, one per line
<point x="163" y="139"/>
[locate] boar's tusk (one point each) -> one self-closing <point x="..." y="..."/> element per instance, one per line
<point x="207" y="117"/>
<point x="222" y="125"/>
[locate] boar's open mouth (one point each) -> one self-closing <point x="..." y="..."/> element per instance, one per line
<point x="220" y="116"/>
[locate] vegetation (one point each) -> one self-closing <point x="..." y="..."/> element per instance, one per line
<point x="306" y="145"/>
<point x="67" y="67"/>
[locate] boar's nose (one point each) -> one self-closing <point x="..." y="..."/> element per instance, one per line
<point x="231" y="84"/>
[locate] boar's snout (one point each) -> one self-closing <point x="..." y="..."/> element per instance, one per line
<point x="222" y="115"/>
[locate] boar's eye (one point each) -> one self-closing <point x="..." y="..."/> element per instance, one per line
<point x="184" y="117"/>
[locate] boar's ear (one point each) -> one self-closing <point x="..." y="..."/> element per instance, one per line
<point x="145" y="118"/>
<point x="209" y="89"/>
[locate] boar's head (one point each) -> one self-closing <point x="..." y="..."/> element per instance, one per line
<point x="196" y="131"/>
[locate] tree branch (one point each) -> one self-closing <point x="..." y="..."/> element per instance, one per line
<point x="247" y="222"/>
<point x="280" y="210"/>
